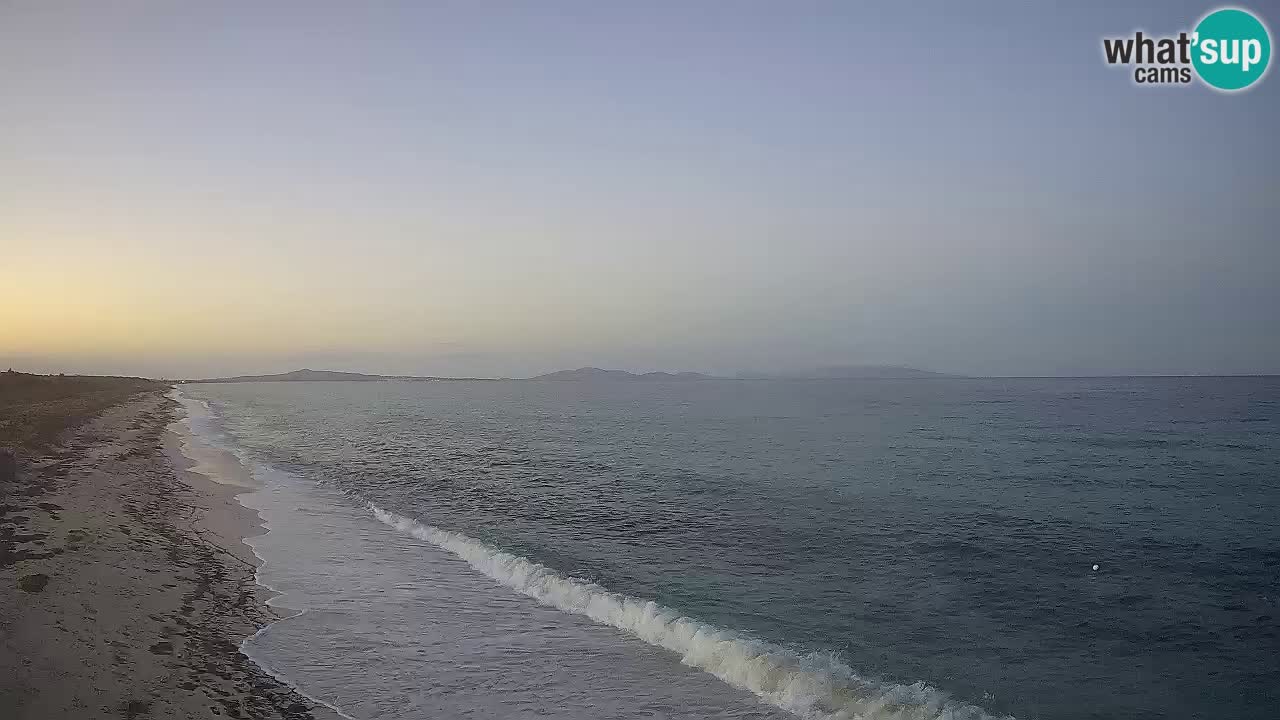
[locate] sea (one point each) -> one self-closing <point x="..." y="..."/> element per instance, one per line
<point x="949" y="549"/>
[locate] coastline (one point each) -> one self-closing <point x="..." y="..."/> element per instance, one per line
<point x="126" y="584"/>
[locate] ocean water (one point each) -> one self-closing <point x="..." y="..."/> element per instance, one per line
<point x="768" y="549"/>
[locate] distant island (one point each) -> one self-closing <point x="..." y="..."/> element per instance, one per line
<point x="298" y="376"/>
<point x="308" y="375"/>
<point x="836" y="372"/>
<point x="854" y="372"/>
<point x="584" y="373"/>
<point x="595" y="374"/>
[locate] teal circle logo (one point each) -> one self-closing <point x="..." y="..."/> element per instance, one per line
<point x="1231" y="49"/>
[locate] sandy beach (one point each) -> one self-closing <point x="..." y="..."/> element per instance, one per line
<point x="125" y="586"/>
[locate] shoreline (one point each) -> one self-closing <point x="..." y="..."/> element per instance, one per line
<point x="224" y="476"/>
<point x="127" y="586"/>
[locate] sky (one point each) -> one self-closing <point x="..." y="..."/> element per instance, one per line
<point x="506" y="188"/>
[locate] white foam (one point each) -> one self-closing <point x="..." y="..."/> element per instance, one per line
<point x="812" y="685"/>
<point x="198" y="442"/>
<point x="245" y="649"/>
<point x="817" y="686"/>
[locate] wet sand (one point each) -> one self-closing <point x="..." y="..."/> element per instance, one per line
<point x="125" y="586"/>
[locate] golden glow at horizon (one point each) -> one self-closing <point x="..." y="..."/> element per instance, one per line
<point x="107" y="283"/>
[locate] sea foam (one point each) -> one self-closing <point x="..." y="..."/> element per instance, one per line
<point x="812" y="685"/>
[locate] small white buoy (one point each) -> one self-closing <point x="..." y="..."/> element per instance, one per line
<point x="1095" y="567"/>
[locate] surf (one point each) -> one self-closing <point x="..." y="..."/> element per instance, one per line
<point x="816" y="686"/>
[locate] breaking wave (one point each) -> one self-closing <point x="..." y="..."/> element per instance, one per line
<point x="813" y="685"/>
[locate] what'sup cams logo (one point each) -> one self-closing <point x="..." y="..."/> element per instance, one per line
<point x="1229" y="50"/>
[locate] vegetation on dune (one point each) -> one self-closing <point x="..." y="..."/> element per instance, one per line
<point x="36" y="409"/>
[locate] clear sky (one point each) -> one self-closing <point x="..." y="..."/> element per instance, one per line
<point x="513" y="187"/>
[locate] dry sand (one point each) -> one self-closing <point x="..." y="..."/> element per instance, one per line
<point x="125" y="587"/>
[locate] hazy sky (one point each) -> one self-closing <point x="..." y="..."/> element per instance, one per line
<point x="506" y="188"/>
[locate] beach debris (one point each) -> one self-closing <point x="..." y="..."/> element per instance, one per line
<point x="33" y="583"/>
<point x="1095" y="567"/>
<point x="8" y="465"/>
<point x="135" y="708"/>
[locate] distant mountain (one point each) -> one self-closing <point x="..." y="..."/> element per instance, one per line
<point x="304" y="375"/>
<point x="674" y="376"/>
<point x="594" y="373"/>
<point x="857" y="372"/>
